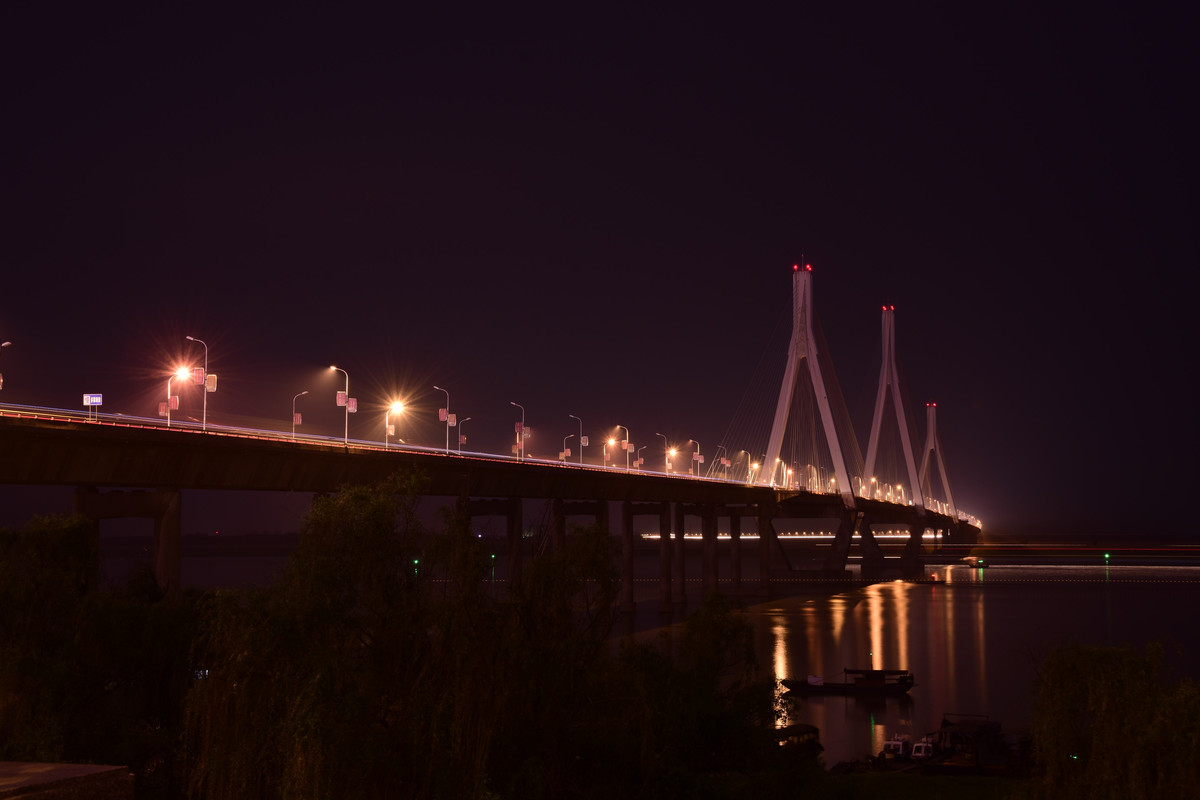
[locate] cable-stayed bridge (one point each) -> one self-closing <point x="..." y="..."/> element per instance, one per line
<point x="807" y="475"/>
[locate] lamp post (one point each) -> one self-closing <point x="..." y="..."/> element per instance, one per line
<point x="695" y="461"/>
<point x="396" y="407"/>
<point x="720" y="460"/>
<point x="638" y="463"/>
<point x="180" y="373"/>
<point x="572" y="416"/>
<point x="294" y="399"/>
<point x="346" y="431"/>
<point x="461" y="435"/>
<point x="204" y="415"/>
<point x="564" y="450"/>
<point x="666" y="453"/>
<point x="446" y="411"/>
<point x="625" y="446"/>
<point x="2" y="346"/>
<point x="520" y="433"/>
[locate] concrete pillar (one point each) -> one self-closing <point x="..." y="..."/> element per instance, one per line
<point x="625" y="602"/>
<point x="168" y="544"/>
<point x="664" y="558"/>
<point x="766" y="545"/>
<point x="559" y="522"/>
<point x="735" y="551"/>
<point x="516" y="525"/>
<point x="708" y="529"/>
<point x="680" y="576"/>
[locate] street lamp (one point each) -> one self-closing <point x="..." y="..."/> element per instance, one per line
<point x="625" y="446"/>
<point x="395" y="408"/>
<point x="581" y="441"/>
<point x="520" y="433"/>
<point x="563" y="457"/>
<point x="180" y="373"/>
<point x="446" y="412"/>
<point x="695" y="461"/>
<point x="638" y="462"/>
<point x="204" y="416"/>
<point x="462" y="437"/>
<point x="346" y="431"/>
<point x="294" y="399"/>
<point x="2" y="346"/>
<point x="666" y="453"/>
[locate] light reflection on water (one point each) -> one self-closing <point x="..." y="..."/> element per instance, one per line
<point x="973" y="642"/>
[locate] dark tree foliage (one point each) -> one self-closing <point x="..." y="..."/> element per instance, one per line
<point x="88" y="676"/>
<point x="1106" y="725"/>
<point x="382" y="666"/>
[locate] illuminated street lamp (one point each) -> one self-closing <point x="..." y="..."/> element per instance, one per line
<point x="462" y="437"/>
<point x="666" y="454"/>
<point x="582" y="438"/>
<point x="345" y="404"/>
<point x="750" y="471"/>
<point x="204" y="415"/>
<point x="388" y="429"/>
<point x="181" y="373"/>
<point x="625" y="446"/>
<point x="445" y="414"/>
<point x="520" y="432"/>
<point x="638" y="463"/>
<point x="295" y="417"/>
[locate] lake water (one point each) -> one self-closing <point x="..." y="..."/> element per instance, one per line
<point x="973" y="643"/>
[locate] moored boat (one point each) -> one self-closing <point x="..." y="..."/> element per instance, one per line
<point x="857" y="681"/>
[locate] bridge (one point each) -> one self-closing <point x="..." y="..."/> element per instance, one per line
<point x="132" y="467"/>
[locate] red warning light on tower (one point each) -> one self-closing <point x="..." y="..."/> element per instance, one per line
<point x="795" y="267"/>
<point x="808" y="267"/>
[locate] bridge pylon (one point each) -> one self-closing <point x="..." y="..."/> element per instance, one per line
<point x="802" y="355"/>
<point x="933" y="447"/>
<point x="889" y="385"/>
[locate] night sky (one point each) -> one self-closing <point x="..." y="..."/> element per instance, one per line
<point x="597" y="214"/>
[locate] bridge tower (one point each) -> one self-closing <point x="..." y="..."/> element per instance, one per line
<point x="889" y="384"/>
<point x="933" y="445"/>
<point x="802" y="354"/>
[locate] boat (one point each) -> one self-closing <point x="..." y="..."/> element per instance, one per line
<point x="897" y="748"/>
<point x="857" y="682"/>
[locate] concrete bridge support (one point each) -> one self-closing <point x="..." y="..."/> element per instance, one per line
<point x="735" y="550"/>
<point x="164" y="506"/>
<point x="629" y="510"/>
<point x="511" y="509"/>
<point x="680" y="588"/>
<point x="767" y="541"/>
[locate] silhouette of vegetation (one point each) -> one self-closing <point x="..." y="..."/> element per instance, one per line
<point x="88" y="676"/>
<point x="384" y="662"/>
<point x="1106" y="725"/>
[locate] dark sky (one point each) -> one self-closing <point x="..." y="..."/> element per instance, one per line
<point x="597" y="213"/>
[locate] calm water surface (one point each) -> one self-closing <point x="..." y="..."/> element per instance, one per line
<point x="973" y="642"/>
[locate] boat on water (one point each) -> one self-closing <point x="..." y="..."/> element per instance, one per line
<point x="856" y="681"/>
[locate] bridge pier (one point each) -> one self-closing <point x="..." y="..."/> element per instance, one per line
<point x="629" y="510"/>
<point x="767" y="541"/>
<point x="679" y="590"/>
<point x="735" y="549"/>
<point x="511" y="509"/>
<point x="164" y="506"/>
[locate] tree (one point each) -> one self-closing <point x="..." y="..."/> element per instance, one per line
<point x="1107" y="726"/>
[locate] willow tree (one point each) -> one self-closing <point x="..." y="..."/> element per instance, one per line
<point x="366" y="671"/>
